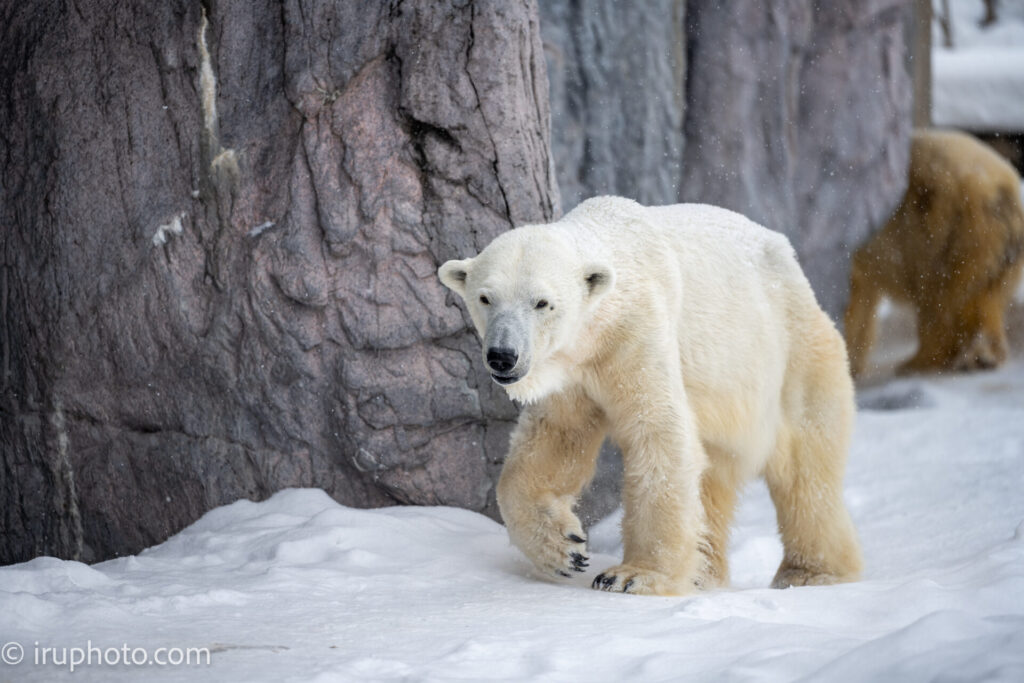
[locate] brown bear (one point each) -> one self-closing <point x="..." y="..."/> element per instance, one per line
<point x="952" y="250"/>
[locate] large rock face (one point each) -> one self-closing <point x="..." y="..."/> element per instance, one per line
<point x="803" y="123"/>
<point x="221" y="223"/>
<point x="221" y="228"/>
<point x="618" y="79"/>
<point x="795" y="113"/>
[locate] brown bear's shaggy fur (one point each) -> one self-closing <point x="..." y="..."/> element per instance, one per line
<point x="951" y="250"/>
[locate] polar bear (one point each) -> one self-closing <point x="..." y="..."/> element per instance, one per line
<point x="953" y="249"/>
<point x="690" y="335"/>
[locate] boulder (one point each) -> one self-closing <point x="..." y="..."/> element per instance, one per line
<point x="792" y="112"/>
<point x="221" y="229"/>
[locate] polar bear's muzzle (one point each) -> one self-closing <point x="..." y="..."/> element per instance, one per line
<point x="503" y="362"/>
<point x="506" y="349"/>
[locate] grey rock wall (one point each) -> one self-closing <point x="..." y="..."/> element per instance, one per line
<point x="219" y="250"/>
<point x="218" y="246"/>
<point x="802" y="123"/>
<point x="793" y="112"/>
<point x="618" y="76"/>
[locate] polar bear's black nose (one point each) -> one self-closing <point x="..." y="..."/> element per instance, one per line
<point x="501" y="360"/>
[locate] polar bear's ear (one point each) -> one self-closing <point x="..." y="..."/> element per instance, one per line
<point x="600" y="279"/>
<point x="453" y="275"/>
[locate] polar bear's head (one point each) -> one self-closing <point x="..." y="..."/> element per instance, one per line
<point x="530" y="295"/>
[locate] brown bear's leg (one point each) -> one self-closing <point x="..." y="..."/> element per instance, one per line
<point x="805" y="474"/>
<point x="938" y="337"/>
<point x="986" y="345"/>
<point x="860" y="322"/>
<point x="983" y="342"/>
<point x="551" y="458"/>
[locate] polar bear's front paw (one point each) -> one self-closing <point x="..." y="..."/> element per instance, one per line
<point x="568" y="557"/>
<point x="628" y="579"/>
<point x="556" y="545"/>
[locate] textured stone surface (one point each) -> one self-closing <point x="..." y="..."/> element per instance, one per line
<point x="617" y="72"/>
<point x="803" y="124"/>
<point x="219" y="255"/>
<point x="217" y="273"/>
<point x="795" y="113"/>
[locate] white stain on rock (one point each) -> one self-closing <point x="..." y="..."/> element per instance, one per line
<point x="172" y="227"/>
<point x="207" y="81"/>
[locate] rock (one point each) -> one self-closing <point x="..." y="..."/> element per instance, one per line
<point x="803" y="123"/>
<point x="222" y="225"/>
<point x="795" y="114"/>
<point x="219" y="245"/>
<point x="618" y="76"/>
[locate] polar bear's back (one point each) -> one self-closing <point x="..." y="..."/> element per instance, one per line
<point x="725" y="248"/>
<point x="624" y="222"/>
<point x="712" y="232"/>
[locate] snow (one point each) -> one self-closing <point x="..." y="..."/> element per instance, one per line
<point x="300" y="588"/>
<point x="979" y="83"/>
<point x="981" y="90"/>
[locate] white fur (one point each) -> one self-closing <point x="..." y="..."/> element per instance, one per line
<point x="703" y="353"/>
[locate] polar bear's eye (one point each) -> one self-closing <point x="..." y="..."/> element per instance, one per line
<point x="484" y="300"/>
<point x="543" y="303"/>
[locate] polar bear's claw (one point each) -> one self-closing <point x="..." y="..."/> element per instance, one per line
<point x="555" y="542"/>
<point x="634" y="580"/>
<point x="604" y="582"/>
<point x="579" y="561"/>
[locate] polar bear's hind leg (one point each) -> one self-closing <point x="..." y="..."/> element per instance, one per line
<point x="805" y="473"/>
<point x="718" y="491"/>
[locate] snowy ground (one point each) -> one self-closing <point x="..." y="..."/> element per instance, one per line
<point x="298" y="588"/>
<point x="979" y="83"/>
